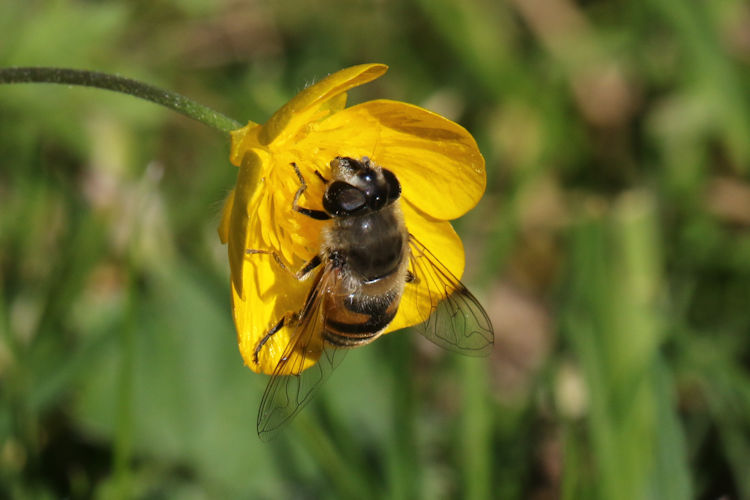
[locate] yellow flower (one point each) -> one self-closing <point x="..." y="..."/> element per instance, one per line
<point x="437" y="161"/>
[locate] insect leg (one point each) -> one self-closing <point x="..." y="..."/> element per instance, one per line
<point x="288" y="318"/>
<point x="314" y="214"/>
<point x="320" y="176"/>
<point x="299" y="275"/>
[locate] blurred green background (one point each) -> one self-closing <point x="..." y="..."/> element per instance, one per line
<point x="611" y="250"/>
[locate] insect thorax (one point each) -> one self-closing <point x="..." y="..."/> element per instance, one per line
<point x="371" y="246"/>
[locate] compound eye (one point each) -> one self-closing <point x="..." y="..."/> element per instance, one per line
<point x="394" y="187"/>
<point x="377" y="199"/>
<point x="350" y="199"/>
<point x="342" y="198"/>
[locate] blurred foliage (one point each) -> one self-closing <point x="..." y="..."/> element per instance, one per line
<point x="612" y="251"/>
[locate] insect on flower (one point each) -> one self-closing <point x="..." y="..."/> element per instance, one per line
<point x="328" y="260"/>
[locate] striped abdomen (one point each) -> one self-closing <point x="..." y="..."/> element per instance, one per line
<point x="359" y="318"/>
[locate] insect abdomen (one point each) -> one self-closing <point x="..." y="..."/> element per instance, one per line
<point x="361" y="319"/>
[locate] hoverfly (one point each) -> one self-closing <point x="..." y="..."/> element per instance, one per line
<point x="366" y="260"/>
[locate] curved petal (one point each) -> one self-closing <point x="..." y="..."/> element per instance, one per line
<point x="302" y="108"/>
<point x="226" y="216"/>
<point x="242" y="140"/>
<point x="270" y="294"/>
<point x="436" y="160"/>
<point x="242" y="209"/>
<point x="440" y="238"/>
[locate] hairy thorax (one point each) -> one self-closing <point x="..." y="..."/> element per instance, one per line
<point x="370" y="248"/>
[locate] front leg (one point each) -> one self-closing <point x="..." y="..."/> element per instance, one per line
<point x="314" y="214"/>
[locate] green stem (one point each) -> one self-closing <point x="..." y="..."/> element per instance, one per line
<point x="166" y="98"/>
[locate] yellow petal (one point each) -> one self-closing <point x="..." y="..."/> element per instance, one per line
<point x="243" y="139"/>
<point x="226" y="215"/>
<point x="436" y="160"/>
<point x="301" y="108"/>
<point x="243" y="208"/>
<point x="270" y="294"/>
<point x="440" y="239"/>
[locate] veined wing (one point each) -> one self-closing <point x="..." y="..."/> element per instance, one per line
<point x="455" y="319"/>
<point x="287" y="394"/>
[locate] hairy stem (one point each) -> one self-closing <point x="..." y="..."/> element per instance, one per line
<point x="115" y="83"/>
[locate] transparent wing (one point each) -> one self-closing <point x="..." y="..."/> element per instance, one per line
<point x="455" y="319"/>
<point x="287" y="394"/>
